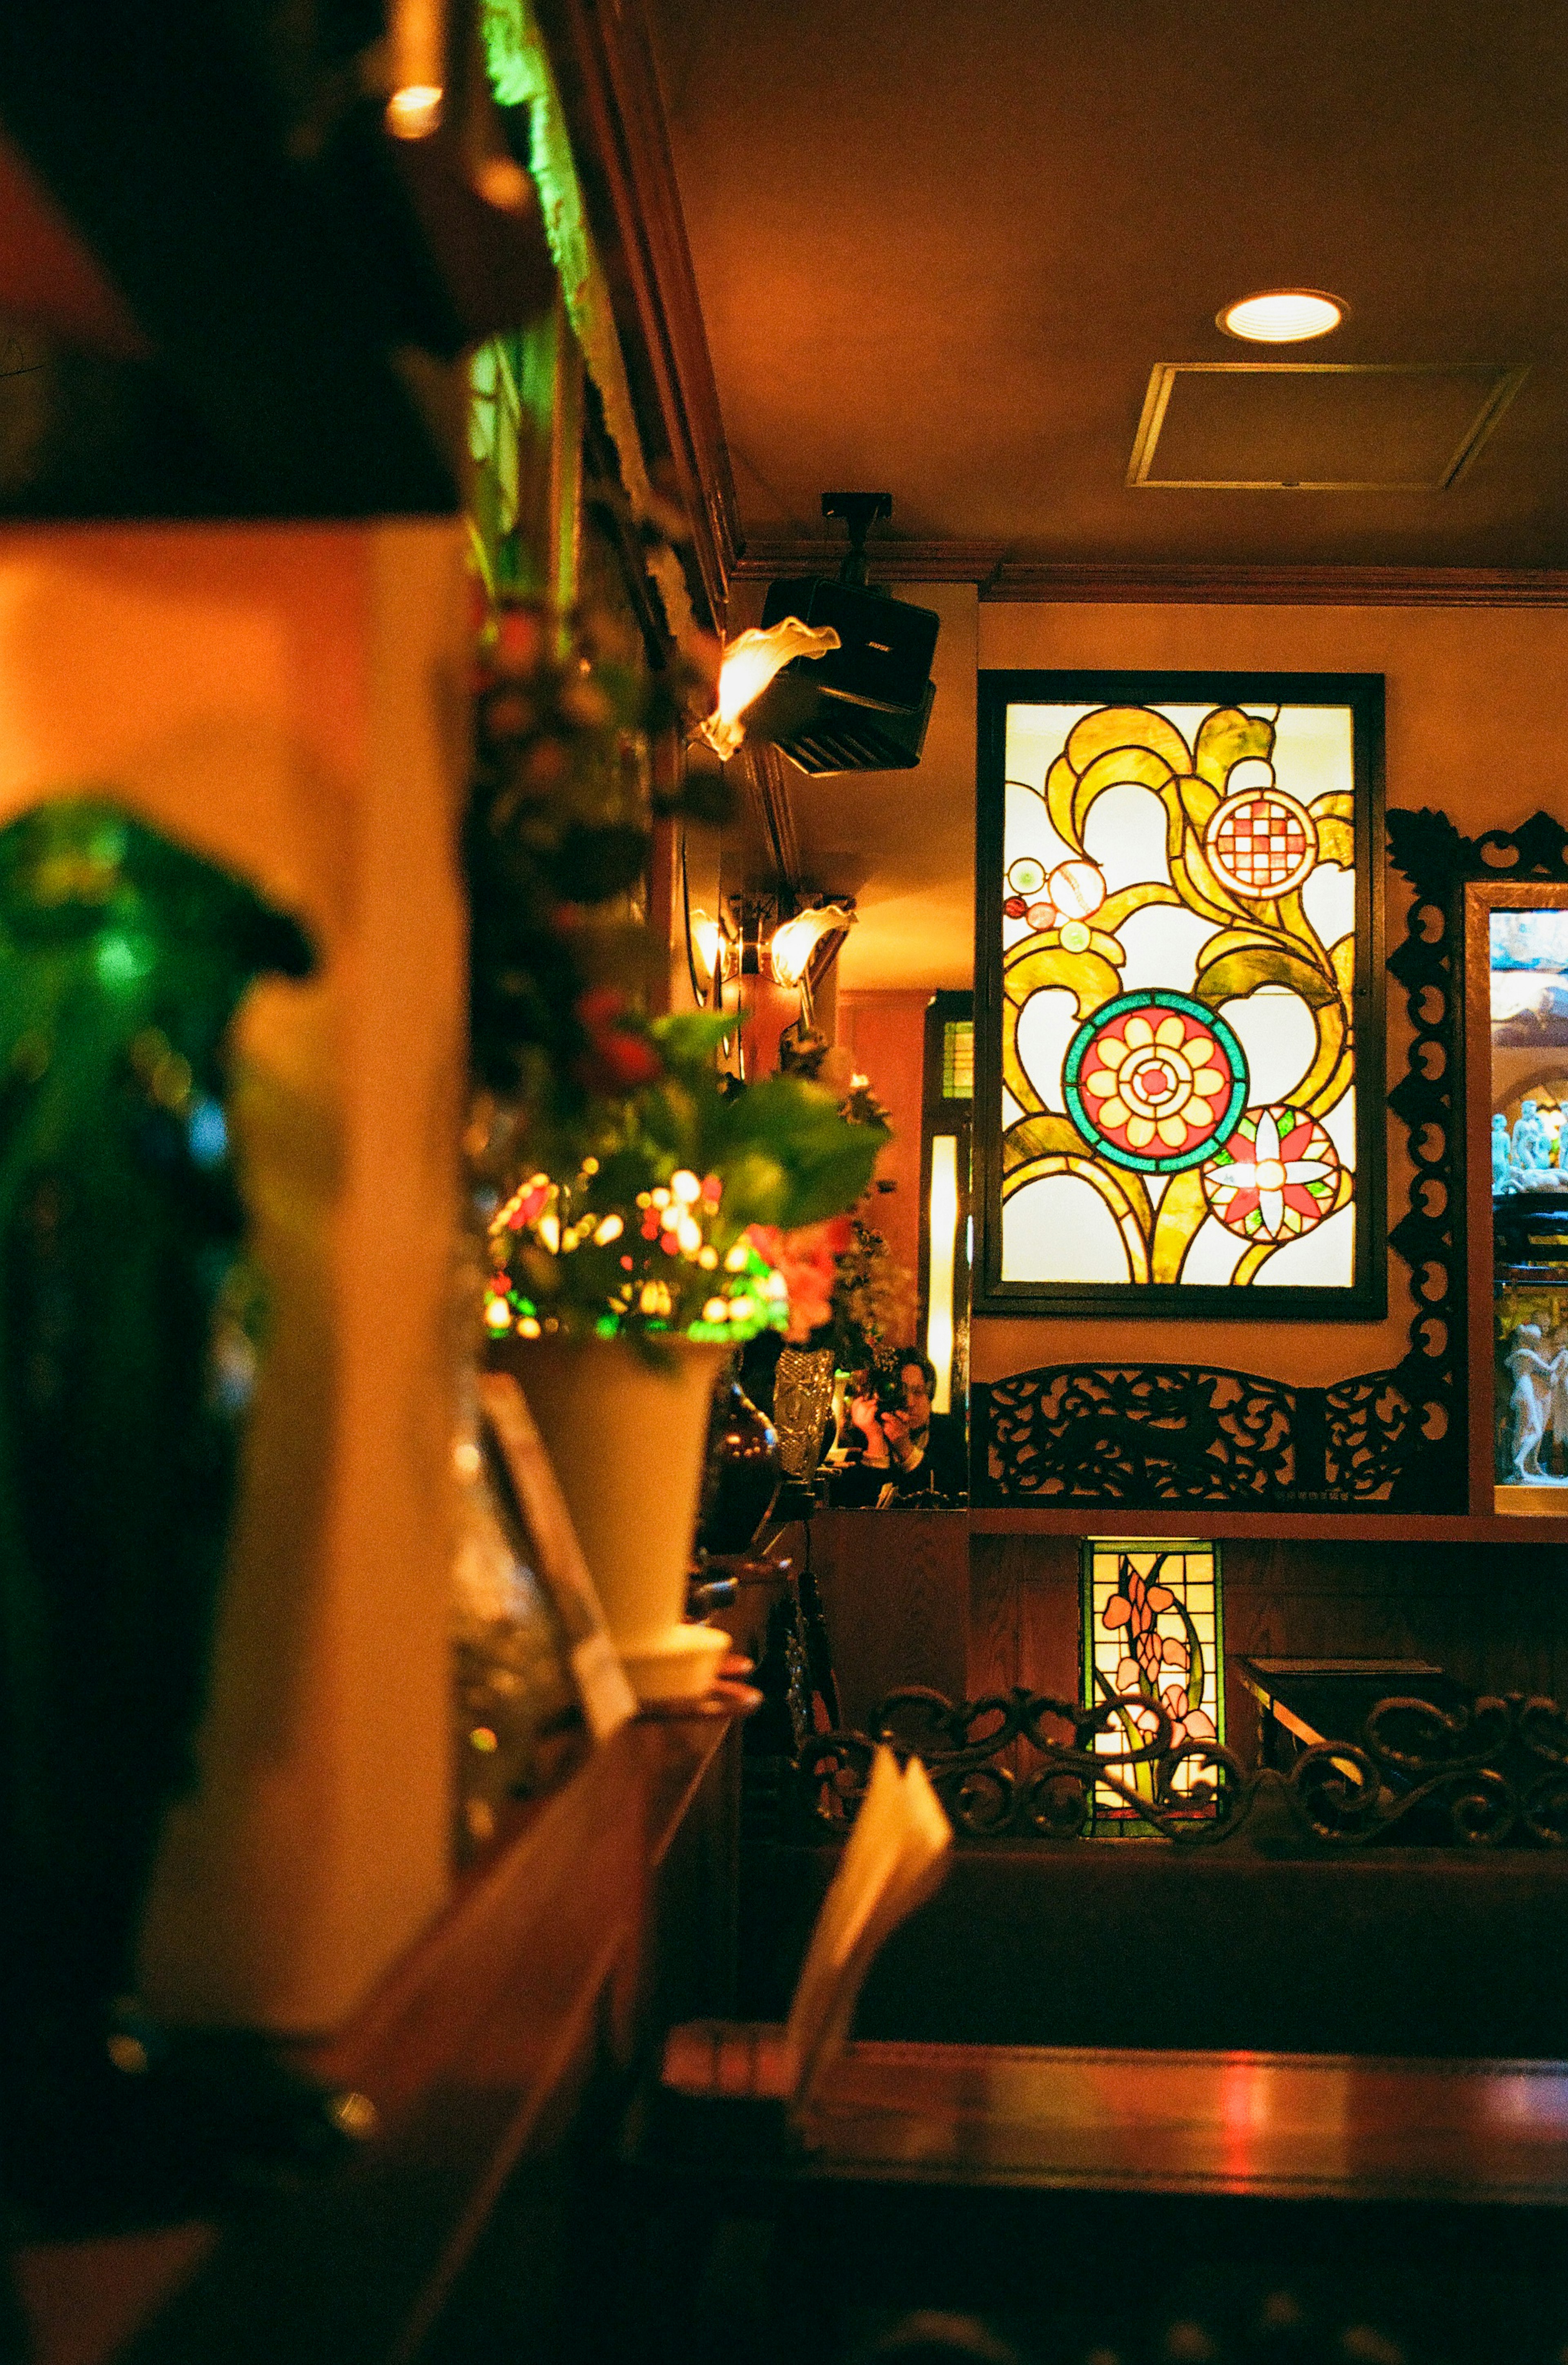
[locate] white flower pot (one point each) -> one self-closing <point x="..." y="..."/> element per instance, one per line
<point x="628" y="1443"/>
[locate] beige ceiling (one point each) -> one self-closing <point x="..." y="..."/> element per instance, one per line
<point x="940" y="250"/>
<point x="943" y="250"/>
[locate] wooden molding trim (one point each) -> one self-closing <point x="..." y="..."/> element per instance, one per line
<point x="602" y="52"/>
<point x="1286" y="587"/>
<point x="1073" y="580"/>
<point x="891" y="562"/>
<point x="764" y="782"/>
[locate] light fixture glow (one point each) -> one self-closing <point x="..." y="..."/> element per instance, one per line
<point x="416" y="37"/>
<point x="1283" y="316"/>
<point x="750" y="663"/>
<point x="414" y="112"/>
<point x="794" y="941"/>
<point x="707" y="944"/>
<point x="943" y="1218"/>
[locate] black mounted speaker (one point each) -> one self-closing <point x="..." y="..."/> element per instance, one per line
<point x="864" y="706"/>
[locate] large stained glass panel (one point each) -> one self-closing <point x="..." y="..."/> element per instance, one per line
<point x="1152" y="1638"/>
<point x="1179" y="1045"/>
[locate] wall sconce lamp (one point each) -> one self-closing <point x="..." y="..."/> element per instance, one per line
<point x="753" y="940"/>
<point x="750" y="663"/>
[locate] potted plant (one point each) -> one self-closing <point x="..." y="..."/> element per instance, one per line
<point x="637" y="1203"/>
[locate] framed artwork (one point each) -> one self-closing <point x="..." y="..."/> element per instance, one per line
<point x="1178" y="1057"/>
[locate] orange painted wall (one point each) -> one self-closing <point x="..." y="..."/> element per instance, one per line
<point x="288" y="699"/>
<point x="1476" y="723"/>
<point x="885" y="1035"/>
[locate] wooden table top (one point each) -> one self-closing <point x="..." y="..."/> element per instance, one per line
<point x="1258" y="2125"/>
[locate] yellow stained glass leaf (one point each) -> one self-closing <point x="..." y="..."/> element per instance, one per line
<point x="1232" y="940"/>
<point x="1200" y="886"/>
<point x="1324" y="1084"/>
<point x="1042" y="1135"/>
<point x="1224" y="737"/>
<point x="1060" y="782"/>
<point x="1336" y="840"/>
<point x="1198" y="803"/>
<point x="1118" y="767"/>
<point x="1236" y="974"/>
<point x="1336" y="804"/>
<point x="1125" y="901"/>
<point x="1033" y="968"/>
<point x="1182" y="1210"/>
<point x="1343" y="957"/>
<point x="1110" y="727"/>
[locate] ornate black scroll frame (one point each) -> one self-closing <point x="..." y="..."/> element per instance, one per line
<point x="1150" y="1435"/>
<point x="1483" y="1776"/>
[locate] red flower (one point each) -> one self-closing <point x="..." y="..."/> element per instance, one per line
<point x="519" y="640"/>
<point x="808" y="1258"/>
<point x="618" y="1063"/>
<point x="618" y="1059"/>
<point x="600" y="1006"/>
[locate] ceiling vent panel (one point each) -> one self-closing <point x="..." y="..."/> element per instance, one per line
<point x="1314" y="426"/>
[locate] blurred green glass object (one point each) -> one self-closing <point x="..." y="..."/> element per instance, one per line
<point x="125" y="1361"/>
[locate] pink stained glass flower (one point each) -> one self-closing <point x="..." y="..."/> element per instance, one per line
<point x="1135" y="1613"/>
<point x="1138" y="1606"/>
<point x="1186" y="1724"/>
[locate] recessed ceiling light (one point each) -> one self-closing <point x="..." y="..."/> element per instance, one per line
<point x="1283" y="316"/>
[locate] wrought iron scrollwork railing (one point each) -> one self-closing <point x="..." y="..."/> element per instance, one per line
<point x="1477" y="1776"/>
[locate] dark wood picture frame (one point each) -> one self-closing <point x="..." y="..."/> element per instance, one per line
<point x="1365" y="1298"/>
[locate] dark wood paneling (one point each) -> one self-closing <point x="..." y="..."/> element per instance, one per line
<point x="1494" y="1615"/>
<point x="903" y="1608"/>
<point x="895" y="1594"/>
<point x="1024" y="1611"/>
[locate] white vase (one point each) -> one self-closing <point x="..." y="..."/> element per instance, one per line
<point x="628" y="1443"/>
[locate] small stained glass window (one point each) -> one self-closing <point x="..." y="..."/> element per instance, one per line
<point x="958" y="1059"/>
<point x="1152" y="1630"/>
<point x="1180" y="1096"/>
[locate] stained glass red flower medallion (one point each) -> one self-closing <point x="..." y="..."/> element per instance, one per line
<point x="1155" y="1081"/>
<point x="1277" y="1176"/>
<point x="1262" y="843"/>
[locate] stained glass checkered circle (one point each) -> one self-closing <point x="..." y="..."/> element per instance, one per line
<point x="1261" y="842"/>
<point x="1155" y="1081"/>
